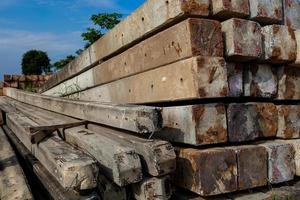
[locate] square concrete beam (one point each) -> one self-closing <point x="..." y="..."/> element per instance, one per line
<point x="296" y="145"/>
<point x="224" y="9"/>
<point x="243" y="39"/>
<point x="288" y="83"/>
<point x="266" y="11"/>
<point x="206" y="172"/>
<point x="292" y="13"/>
<point x="279" y="44"/>
<point x="281" y="162"/>
<point x="235" y="79"/>
<point x="250" y="121"/>
<point x="260" y="81"/>
<point x="288" y="121"/>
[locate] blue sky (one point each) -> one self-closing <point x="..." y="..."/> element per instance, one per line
<point x="53" y="26"/>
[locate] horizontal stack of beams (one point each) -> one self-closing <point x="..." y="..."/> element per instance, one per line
<point x="202" y="99"/>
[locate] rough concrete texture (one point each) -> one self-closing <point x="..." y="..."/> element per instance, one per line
<point x="288" y="83"/>
<point x="288" y="121"/>
<point x="225" y="9"/>
<point x="235" y="79"/>
<point x="297" y="35"/>
<point x="206" y="172"/>
<point x="266" y="11"/>
<point x="292" y="13"/>
<point x="296" y="145"/>
<point x="281" y="162"/>
<point x="250" y="158"/>
<point x="279" y="44"/>
<point x="249" y="121"/>
<point x="260" y="81"/>
<point x="243" y="39"/>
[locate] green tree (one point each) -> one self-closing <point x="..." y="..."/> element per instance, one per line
<point x="35" y="62"/>
<point x="105" y="21"/>
<point x="60" y="64"/>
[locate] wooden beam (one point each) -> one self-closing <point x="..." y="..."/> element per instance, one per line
<point x="193" y="78"/>
<point x="250" y="121"/>
<point x="49" y="151"/>
<point x="153" y="188"/>
<point x="291" y="13"/>
<point x="288" y="121"/>
<point x="281" y="163"/>
<point x="55" y="190"/>
<point x="279" y="44"/>
<point x="118" y="161"/>
<point x="13" y="183"/>
<point x="206" y="172"/>
<point x="265" y="12"/>
<point x="260" y="81"/>
<point x="243" y="39"/>
<point x="139" y="119"/>
<point x="195" y="125"/>
<point x="158" y="157"/>
<point x="191" y="37"/>
<point x="143" y="21"/>
<point x="224" y="9"/>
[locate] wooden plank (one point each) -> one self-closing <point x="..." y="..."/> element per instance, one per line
<point x="13" y="183"/>
<point x="291" y="13"/>
<point x="195" y="125"/>
<point x="288" y="121"/>
<point x="153" y="188"/>
<point x="279" y="44"/>
<point x="243" y="39"/>
<point x="139" y="119"/>
<point x="251" y="120"/>
<point x="281" y="163"/>
<point x="152" y="17"/>
<point x="260" y="81"/>
<point x="71" y="167"/>
<point x="118" y="161"/>
<point x="235" y="79"/>
<point x="265" y="12"/>
<point x="193" y="78"/>
<point x="288" y="83"/>
<point x="224" y="9"/>
<point x="200" y="171"/>
<point x="55" y="190"/>
<point x="191" y="37"/>
<point x="250" y="158"/>
<point x="158" y="157"/>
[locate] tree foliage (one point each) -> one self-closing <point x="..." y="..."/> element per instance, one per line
<point x="105" y="21"/>
<point x="35" y="62"/>
<point x="60" y="64"/>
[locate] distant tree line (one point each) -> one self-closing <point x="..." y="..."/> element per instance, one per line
<point x="38" y="62"/>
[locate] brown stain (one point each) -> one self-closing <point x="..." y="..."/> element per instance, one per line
<point x="202" y="92"/>
<point x="276" y="29"/>
<point x="289" y="92"/>
<point x="198" y="112"/>
<point x="193" y="6"/>
<point x="224" y="92"/>
<point x="276" y="53"/>
<point x="292" y="56"/>
<point x="262" y="12"/>
<point x="216" y="134"/>
<point x="268" y="118"/>
<point x="227" y="4"/>
<point x="220" y="109"/>
<point x="212" y="73"/>
<point x="278" y="13"/>
<point x="292" y="33"/>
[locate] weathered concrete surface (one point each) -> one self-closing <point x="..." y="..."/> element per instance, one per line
<point x="288" y="121"/>
<point x="288" y="83"/>
<point x="260" y="81"/>
<point x="13" y="183"/>
<point x="235" y="79"/>
<point x="225" y="9"/>
<point x="243" y="39"/>
<point x="296" y="144"/>
<point x="279" y="44"/>
<point x="153" y="189"/>
<point x="157" y="156"/>
<point x="200" y="78"/>
<point x="206" y="172"/>
<point x="297" y="35"/>
<point x="281" y="162"/>
<point x="291" y="13"/>
<point x="196" y="125"/>
<point x="266" y="11"/>
<point x="109" y="191"/>
<point x="191" y="37"/>
<point x="252" y="166"/>
<point x="251" y="120"/>
<point x="120" y="163"/>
